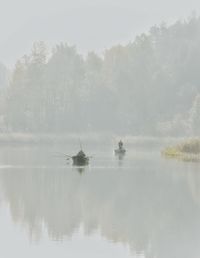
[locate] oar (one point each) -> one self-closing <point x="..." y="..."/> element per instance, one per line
<point x="80" y="144"/>
<point x="64" y="154"/>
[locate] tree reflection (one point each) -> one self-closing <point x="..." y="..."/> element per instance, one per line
<point x="152" y="211"/>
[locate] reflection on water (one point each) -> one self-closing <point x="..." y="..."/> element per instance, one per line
<point x="151" y="205"/>
<point x="120" y="158"/>
<point x="80" y="169"/>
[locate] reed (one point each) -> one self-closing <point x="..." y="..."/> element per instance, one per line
<point x="188" y="150"/>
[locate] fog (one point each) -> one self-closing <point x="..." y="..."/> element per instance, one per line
<point x="126" y="68"/>
<point x="149" y="86"/>
<point x="91" y="25"/>
<point x="146" y="204"/>
<point x="92" y="75"/>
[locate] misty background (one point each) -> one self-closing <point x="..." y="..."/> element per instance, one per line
<point x="100" y="66"/>
<point x="91" y="25"/>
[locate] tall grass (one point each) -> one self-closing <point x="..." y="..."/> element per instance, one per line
<point x="188" y="150"/>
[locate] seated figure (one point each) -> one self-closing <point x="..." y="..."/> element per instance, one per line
<point x="120" y="144"/>
<point x="81" y="154"/>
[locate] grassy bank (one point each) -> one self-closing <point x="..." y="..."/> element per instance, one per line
<point x="188" y="150"/>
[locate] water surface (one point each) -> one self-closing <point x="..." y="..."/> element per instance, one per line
<point x="139" y="206"/>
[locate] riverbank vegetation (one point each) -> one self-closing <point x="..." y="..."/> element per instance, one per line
<point x="147" y="87"/>
<point x="188" y="150"/>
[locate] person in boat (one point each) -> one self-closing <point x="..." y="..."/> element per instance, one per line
<point x="80" y="159"/>
<point x="81" y="154"/>
<point x="120" y="144"/>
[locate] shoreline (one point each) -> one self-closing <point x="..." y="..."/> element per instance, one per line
<point x="104" y="138"/>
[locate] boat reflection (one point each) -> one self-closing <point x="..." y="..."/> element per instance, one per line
<point x="120" y="156"/>
<point x="80" y="170"/>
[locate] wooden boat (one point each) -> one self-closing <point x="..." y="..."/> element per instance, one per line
<point x="80" y="159"/>
<point x="120" y="151"/>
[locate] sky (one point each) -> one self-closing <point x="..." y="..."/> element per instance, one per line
<point x="91" y="25"/>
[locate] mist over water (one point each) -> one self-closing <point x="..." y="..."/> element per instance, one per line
<point x="140" y="206"/>
<point x="113" y="86"/>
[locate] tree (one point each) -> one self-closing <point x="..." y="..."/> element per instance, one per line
<point x="195" y="116"/>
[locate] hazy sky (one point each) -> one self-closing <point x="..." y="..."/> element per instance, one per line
<point x="89" y="24"/>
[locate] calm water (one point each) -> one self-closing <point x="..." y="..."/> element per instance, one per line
<point x="141" y="206"/>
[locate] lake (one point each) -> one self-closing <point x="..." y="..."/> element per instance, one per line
<point x="140" y="206"/>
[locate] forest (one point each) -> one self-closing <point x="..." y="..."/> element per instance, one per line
<point x="150" y="86"/>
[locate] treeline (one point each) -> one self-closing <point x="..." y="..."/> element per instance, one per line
<point x="149" y="87"/>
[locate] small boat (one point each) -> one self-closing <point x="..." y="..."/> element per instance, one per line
<point x="119" y="151"/>
<point x="80" y="159"/>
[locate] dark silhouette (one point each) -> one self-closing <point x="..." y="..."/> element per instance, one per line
<point x="120" y="151"/>
<point x="80" y="159"/>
